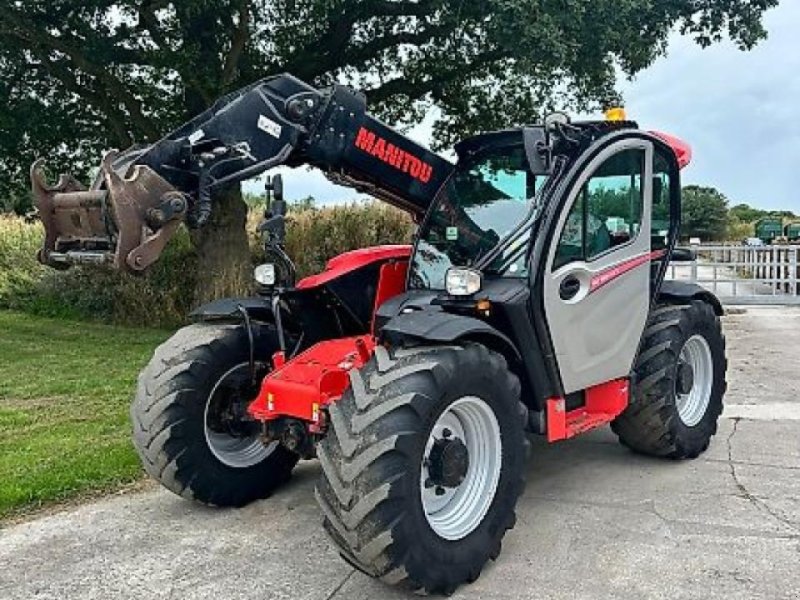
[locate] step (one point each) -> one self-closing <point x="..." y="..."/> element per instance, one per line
<point x="603" y="403"/>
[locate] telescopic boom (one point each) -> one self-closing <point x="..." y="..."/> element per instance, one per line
<point x="141" y="195"/>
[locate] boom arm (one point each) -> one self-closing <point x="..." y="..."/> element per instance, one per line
<point x="142" y="195"/>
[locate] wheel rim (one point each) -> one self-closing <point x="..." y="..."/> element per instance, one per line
<point x="692" y="405"/>
<point x="459" y="509"/>
<point x="236" y="451"/>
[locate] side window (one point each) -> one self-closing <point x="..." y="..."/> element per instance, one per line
<point x="607" y="212"/>
<point x="661" y="197"/>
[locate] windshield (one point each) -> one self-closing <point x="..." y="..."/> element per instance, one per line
<point x="486" y="197"/>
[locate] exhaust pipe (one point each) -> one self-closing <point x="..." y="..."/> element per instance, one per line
<point x="122" y="221"/>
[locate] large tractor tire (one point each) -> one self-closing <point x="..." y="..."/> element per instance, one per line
<point x="423" y="463"/>
<point x="187" y="424"/>
<point x="678" y="385"/>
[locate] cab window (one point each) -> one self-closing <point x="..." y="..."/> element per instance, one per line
<point x="660" y="220"/>
<point x="607" y="211"/>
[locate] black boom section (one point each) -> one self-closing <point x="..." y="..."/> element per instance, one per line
<point x="435" y="325"/>
<point x="140" y="197"/>
<point x="358" y="150"/>
<point x="283" y="121"/>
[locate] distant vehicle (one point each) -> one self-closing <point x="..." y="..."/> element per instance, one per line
<point x="769" y="228"/>
<point x="792" y="231"/>
<point x="753" y="241"/>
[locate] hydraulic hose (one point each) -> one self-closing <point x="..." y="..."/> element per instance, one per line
<point x="202" y="211"/>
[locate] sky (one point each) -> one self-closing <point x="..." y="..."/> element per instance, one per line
<point x="738" y="110"/>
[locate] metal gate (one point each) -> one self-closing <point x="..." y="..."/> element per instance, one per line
<point x="744" y="274"/>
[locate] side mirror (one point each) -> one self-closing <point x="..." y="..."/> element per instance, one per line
<point x="552" y="122"/>
<point x="681" y="254"/>
<point x="274" y="216"/>
<point x="556" y="118"/>
<point x="275" y="203"/>
<point x="277" y="187"/>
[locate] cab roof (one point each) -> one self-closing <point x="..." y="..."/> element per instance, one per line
<point x="682" y="150"/>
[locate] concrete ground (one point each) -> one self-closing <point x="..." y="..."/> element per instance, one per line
<point x="595" y="521"/>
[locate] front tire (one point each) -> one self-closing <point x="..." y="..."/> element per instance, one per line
<point x="184" y="425"/>
<point x="423" y="464"/>
<point x="679" y="384"/>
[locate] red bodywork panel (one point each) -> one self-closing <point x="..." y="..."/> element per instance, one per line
<point x="682" y="150"/>
<point x="355" y="259"/>
<point x="603" y="404"/>
<point x="310" y="381"/>
<point x="391" y="282"/>
<point x="301" y="387"/>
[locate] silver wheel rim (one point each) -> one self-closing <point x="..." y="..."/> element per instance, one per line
<point x="693" y="405"/>
<point x="460" y="510"/>
<point x="230" y="450"/>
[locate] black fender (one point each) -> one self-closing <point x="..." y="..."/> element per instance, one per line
<point x="683" y="292"/>
<point x="436" y="325"/>
<point x="258" y="308"/>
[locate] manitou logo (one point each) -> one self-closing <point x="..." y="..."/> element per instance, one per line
<point x="378" y="147"/>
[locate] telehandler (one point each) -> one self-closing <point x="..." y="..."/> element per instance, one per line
<point x="533" y="301"/>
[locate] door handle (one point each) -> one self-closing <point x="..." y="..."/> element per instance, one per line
<point x="569" y="288"/>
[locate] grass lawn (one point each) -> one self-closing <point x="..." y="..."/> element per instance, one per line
<point x="65" y="388"/>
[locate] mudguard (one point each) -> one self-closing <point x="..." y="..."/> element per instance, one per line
<point x="230" y="309"/>
<point x="435" y="325"/>
<point x="683" y="292"/>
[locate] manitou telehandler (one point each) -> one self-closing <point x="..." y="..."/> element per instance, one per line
<point x="533" y="300"/>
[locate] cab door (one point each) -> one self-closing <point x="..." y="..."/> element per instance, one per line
<point x="597" y="274"/>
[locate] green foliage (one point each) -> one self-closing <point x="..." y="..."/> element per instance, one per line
<point x="315" y="235"/>
<point x="704" y="213"/>
<point x="750" y="214"/>
<point x="610" y="202"/>
<point x="83" y="75"/>
<point x="746" y="213"/>
<point x="164" y="295"/>
<point x="64" y="395"/>
<point x="19" y="270"/>
<point x="738" y="229"/>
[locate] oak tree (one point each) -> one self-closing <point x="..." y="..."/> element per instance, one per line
<point x="78" y="76"/>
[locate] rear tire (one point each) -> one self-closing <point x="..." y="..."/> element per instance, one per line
<point x="376" y="507"/>
<point x="170" y="415"/>
<point x="669" y="414"/>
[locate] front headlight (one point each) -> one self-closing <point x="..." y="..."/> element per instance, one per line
<point x="462" y="282"/>
<point x="265" y="274"/>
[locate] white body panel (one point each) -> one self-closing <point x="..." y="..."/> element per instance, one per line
<point x="596" y="333"/>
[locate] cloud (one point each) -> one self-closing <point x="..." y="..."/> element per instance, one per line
<point x="737" y="109"/>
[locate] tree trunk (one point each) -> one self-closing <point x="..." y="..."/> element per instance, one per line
<point x="224" y="265"/>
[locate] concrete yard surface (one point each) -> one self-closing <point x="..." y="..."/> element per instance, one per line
<point x="595" y="521"/>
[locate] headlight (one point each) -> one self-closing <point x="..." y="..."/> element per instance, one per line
<point x="265" y="274"/>
<point x="462" y="282"/>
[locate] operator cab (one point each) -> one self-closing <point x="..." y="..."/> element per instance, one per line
<point x="483" y="215"/>
<point x="531" y="228"/>
<point x="487" y="197"/>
